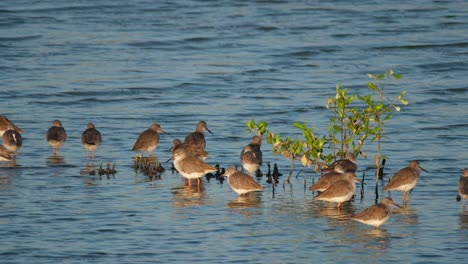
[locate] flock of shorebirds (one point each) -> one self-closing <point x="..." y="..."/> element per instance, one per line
<point x="336" y="184"/>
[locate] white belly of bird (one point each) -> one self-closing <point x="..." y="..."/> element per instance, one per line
<point x="338" y="199"/>
<point x="192" y="175"/>
<point x="251" y="167"/>
<point x="55" y="143"/>
<point x="374" y="222"/>
<point x="242" y="191"/>
<point x="406" y="187"/>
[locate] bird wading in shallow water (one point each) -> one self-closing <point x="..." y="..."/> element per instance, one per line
<point x="190" y="167"/>
<point x="343" y="165"/>
<point x="405" y="180"/>
<point x="326" y="180"/>
<point x="340" y="191"/>
<point x="12" y="141"/>
<point x="240" y="182"/>
<point x="199" y="153"/>
<point x="148" y="140"/>
<point x="91" y="139"/>
<point x="377" y="214"/>
<point x="197" y="138"/>
<point x="56" y="136"/>
<point x="251" y="155"/>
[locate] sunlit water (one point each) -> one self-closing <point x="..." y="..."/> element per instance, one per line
<point x="126" y="64"/>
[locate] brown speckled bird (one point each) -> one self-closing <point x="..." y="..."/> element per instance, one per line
<point x="251" y="155"/>
<point x="340" y="191"/>
<point x="12" y="141"/>
<point x="377" y="214"/>
<point x="240" y="182"/>
<point x="148" y="140"/>
<point x="56" y="136"/>
<point x="405" y="180"/>
<point x="91" y="139"/>
<point x="197" y="138"/>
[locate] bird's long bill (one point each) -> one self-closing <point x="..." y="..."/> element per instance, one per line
<point x="161" y="130"/>
<point x="423" y="169"/>
<point x="169" y="159"/>
<point x="209" y="131"/>
<point x="397" y="205"/>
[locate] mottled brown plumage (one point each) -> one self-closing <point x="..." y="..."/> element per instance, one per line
<point x="463" y="186"/>
<point x="240" y="182"/>
<point x="377" y="214"/>
<point x="6" y="124"/>
<point x="148" y="140"/>
<point x="12" y="141"/>
<point x="326" y="180"/>
<point x="197" y="138"/>
<point x="343" y="165"/>
<point x="405" y="180"/>
<point x="251" y="155"/>
<point x="189" y="166"/>
<point x="340" y="191"/>
<point x="190" y="149"/>
<point x="91" y="139"/>
<point x="56" y="136"/>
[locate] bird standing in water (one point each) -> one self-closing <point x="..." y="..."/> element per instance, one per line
<point x="189" y="166"/>
<point x="377" y="214"/>
<point x="340" y="191"/>
<point x="12" y="141"/>
<point x="240" y="182"/>
<point x="91" y="139"/>
<point x="251" y="155"/>
<point x="197" y="138"/>
<point x="148" y="140"/>
<point x="405" y="180"/>
<point x="56" y="136"/>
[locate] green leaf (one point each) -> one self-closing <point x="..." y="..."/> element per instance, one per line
<point x="299" y="125"/>
<point x="387" y="117"/>
<point x="397" y="76"/>
<point x="371" y="86"/>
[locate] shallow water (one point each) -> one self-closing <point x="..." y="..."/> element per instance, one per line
<point x="125" y="65"/>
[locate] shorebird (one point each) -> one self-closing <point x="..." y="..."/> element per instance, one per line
<point x="148" y="140"/>
<point x="251" y="155"/>
<point x="377" y="214"/>
<point x="197" y="138"/>
<point x="4" y="155"/>
<point x="6" y="124"/>
<point x="199" y="153"/>
<point x="343" y="165"/>
<point x="189" y="166"/>
<point x="405" y="180"/>
<point x="56" y="136"/>
<point x="91" y="139"/>
<point x="240" y="182"/>
<point x="326" y="180"/>
<point x="463" y="187"/>
<point x="12" y="141"/>
<point x="341" y="191"/>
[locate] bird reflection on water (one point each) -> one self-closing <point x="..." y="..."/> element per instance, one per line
<point x="189" y="196"/>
